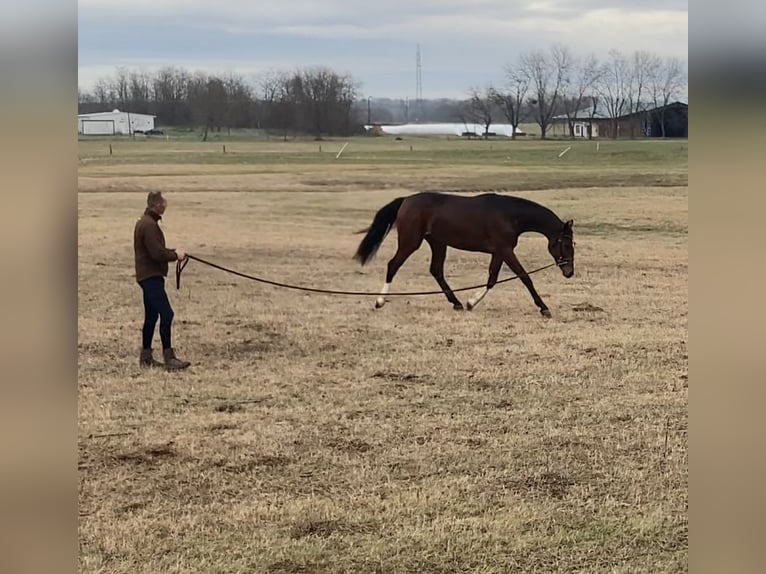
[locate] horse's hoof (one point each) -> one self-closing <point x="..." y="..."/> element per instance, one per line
<point x="457" y="306"/>
<point x="379" y="304"/>
<point x="469" y="306"/>
<point x="545" y="313"/>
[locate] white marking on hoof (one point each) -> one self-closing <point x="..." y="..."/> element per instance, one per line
<point x="473" y="301"/>
<point x="380" y="301"/>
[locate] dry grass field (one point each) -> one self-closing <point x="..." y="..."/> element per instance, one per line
<point x="314" y="434"/>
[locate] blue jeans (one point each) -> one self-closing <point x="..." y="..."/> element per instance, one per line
<point x="156" y="306"/>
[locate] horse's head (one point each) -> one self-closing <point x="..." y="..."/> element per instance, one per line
<point x="562" y="249"/>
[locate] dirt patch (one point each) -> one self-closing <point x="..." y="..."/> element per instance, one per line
<point x="550" y="484"/>
<point x="394" y="376"/>
<point x="148" y="456"/>
<point x="587" y="308"/>
<point x="295" y="567"/>
<point x="322" y="528"/>
<point x="349" y="445"/>
<point x="253" y="464"/>
<point x="217" y="427"/>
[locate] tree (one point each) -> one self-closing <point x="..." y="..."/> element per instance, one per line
<point x="207" y="99"/>
<point x="577" y="93"/>
<point x="613" y="87"/>
<point x="327" y="99"/>
<point x="666" y="81"/>
<point x="642" y="64"/>
<point x="171" y="96"/>
<point x="547" y="74"/>
<point x="139" y="92"/>
<point x="479" y="107"/>
<point x="120" y="86"/>
<point x="238" y="109"/>
<point x="280" y="93"/>
<point x="594" y="101"/>
<point x="511" y="101"/>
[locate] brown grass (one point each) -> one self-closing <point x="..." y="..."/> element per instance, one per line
<point x="313" y="434"/>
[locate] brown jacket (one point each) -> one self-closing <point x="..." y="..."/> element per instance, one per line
<point x="152" y="256"/>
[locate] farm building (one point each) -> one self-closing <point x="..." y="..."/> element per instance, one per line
<point x="114" y="122"/>
<point x="445" y="128"/>
<point x="670" y="121"/>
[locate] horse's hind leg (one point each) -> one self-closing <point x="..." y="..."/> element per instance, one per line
<point x="408" y="244"/>
<point x="438" y="255"/>
<point x="494" y="269"/>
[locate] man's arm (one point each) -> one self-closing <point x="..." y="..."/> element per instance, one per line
<point x="155" y="248"/>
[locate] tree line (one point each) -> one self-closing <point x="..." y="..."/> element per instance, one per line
<point x="538" y="86"/>
<point x="316" y="100"/>
<point x="542" y="84"/>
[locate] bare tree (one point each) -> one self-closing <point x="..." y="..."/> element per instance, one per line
<point x="642" y="64"/>
<point x="592" y="110"/>
<point x="121" y="86"/>
<point x="511" y="101"/>
<point x="613" y="87"/>
<point x="279" y="103"/>
<point x="666" y="81"/>
<point x="547" y="73"/>
<point x="578" y="92"/>
<point x="140" y="92"/>
<point x="238" y="102"/>
<point x="171" y="97"/>
<point x="207" y="97"/>
<point x="327" y="100"/>
<point x="102" y="93"/>
<point x="479" y="107"/>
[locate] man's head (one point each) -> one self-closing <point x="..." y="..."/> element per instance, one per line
<point x="156" y="202"/>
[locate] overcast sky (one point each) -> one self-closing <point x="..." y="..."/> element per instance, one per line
<point x="463" y="42"/>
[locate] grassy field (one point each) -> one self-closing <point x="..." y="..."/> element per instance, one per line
<point x="314" y="434"/>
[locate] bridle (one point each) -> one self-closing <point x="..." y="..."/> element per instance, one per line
<point x="561" y="260"/>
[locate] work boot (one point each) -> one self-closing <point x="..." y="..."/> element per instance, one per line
<point x="147" y="359"/>
<point x="173" y="363"/>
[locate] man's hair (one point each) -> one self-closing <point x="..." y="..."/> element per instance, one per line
<point x="154" y="198"/>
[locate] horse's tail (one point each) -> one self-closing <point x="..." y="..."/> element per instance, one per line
<point x="376" y="233"/>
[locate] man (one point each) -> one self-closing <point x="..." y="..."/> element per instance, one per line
<point x="152" y="258"/>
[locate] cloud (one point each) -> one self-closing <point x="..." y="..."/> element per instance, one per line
<point x="461" y="40"/>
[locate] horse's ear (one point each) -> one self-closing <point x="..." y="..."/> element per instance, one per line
<point x="568" y="225"/>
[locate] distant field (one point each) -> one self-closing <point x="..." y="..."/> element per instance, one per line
<point x="314" y="434"/>
<point x="379" y="163"/>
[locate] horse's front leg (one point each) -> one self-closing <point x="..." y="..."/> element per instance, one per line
<point x="512" y="262"/>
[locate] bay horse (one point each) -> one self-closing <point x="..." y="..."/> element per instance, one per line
<point x="486" y="223"/>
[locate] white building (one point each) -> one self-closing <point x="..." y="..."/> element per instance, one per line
<point x="114" y="122"/>
<point x="447" y="128"/>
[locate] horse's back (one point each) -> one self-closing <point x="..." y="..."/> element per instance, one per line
<point x="464" y="222"/>
<point x="487" y="205"/>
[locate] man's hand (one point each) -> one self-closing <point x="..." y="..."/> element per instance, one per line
<point x="181" y="254"/>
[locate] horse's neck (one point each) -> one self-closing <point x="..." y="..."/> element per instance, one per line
<point x="541" y="220"/>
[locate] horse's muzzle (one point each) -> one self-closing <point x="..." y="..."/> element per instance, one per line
<point x="567" y="268"/>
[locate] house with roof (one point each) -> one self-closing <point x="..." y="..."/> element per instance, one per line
<point x="670" y="121"/>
